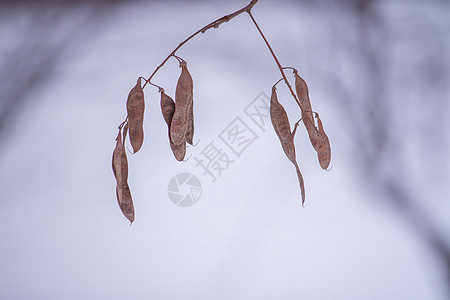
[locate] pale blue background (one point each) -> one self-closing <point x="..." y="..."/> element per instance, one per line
<point x="61" y="231"/>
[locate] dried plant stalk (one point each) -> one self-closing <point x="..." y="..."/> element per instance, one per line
<point x="303" y="96"/>
<point x="179" y="116"/>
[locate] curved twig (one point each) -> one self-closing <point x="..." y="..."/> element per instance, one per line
<point x="214" y="24"/>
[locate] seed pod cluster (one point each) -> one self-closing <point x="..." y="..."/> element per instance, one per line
<point x="179" y="117"/>
<point x="120" y="170"/>
<point x="318" y="138"/>
<point x="280" y="122"/>
<point x="135" y="111"/>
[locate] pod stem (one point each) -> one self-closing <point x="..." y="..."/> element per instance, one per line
<point x="277" y="82"/>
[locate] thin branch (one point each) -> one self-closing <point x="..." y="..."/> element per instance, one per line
<point x="275" y="58"/>
<point x="214" y="24"/>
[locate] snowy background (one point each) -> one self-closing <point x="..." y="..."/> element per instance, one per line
<point x="376" y="226"/>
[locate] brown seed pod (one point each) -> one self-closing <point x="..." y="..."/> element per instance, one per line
<point x="303" y="96"/>
<point x="135" y="111"/>
<point x="119" y="162"/>
<point x="323" y="146"/>
<point x="279" y="118"/>
<point x="305" y="105"/>
<point x="120" y="170"/>
<point x="168" y="109"/>
<point x="311" y="128"/>
<point x="280" y="122"/>
<point x="183" y="102"/>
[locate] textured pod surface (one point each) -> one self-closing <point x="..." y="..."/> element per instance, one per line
<point x="119" y="162"/>
<point x="120" y="170"/>
<point x="279" y="117"/>
<point x="135" y="111"/>
<point x="303" y="96"/>
<point x="280" y="122"/>
<point x="305" y="105"/>
<point x="168" y="109"/>
<point x="179" y="151"/>
<point x="183" y="102"/>
<point x="125" y="202"/>
<point x="312" y="130"/>
<point x="323" y="146"/>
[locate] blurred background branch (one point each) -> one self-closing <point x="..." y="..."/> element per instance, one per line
<point x="401" y="71"/>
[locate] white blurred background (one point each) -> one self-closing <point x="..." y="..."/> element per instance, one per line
<point x="376" y="226"/>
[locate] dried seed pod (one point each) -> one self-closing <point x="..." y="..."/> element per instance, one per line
<point x="280" y="122"/>
<point x="119" y="162"/>
<point x="281" y="125"/>
<point x="120" y="170"/>
<point x="323" y="146"/>
<point x="135" y="111"/>
<point x="305" y="105"/>
<point x="183" y="102"/>
<point x="312" y="130"/>
<point x="168" y="109"/>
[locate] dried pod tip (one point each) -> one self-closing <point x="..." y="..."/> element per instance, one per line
<point x="183" y="64"/>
